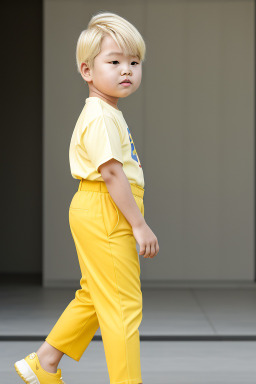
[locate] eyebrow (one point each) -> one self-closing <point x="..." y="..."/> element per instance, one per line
<point x="116" y="53"/>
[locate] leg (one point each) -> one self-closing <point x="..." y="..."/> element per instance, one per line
<point x="111" y="293"/>
<point x="76" y="326"/>
<point x="118" y="297"/>
<point x="78" y="323"/>
<point x="108" y="249"/>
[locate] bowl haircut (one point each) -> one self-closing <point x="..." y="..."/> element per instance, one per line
<point x="127" y="37"/>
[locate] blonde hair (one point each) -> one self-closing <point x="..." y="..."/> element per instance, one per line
<point x="122" y="31"/>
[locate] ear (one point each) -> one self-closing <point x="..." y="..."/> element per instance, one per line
<point x="86" y="72"/>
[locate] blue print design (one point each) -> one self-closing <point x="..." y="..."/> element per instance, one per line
<point x="133" y="149"/>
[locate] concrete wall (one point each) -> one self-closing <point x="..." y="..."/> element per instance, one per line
<point x="192" y="120"/>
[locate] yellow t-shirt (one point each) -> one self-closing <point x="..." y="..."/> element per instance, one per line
<point x="101" y="133"/>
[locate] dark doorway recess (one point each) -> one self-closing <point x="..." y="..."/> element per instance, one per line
<point x="21" y="140"/>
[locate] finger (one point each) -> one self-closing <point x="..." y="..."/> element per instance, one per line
<point x="153" y="251"/>
<point x="147" y="251"/>
<point x="142" y="250"/>
<point x="156" y="248"/>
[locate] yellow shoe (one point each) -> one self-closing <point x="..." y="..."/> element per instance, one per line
<point x="30" y="370"/>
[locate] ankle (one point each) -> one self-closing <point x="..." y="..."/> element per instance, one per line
<point x="47" y="364"/>
<point x="49" y="356"/>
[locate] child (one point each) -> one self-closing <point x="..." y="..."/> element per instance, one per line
<point x="106" y="214"/>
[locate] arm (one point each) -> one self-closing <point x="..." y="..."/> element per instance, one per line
<point x="120" y="190"/>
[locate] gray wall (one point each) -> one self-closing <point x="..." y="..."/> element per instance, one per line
<point x="192" y="121"/>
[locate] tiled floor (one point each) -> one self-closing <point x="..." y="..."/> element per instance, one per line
<point x="33" y="310"/>
<point x="195" y="362"/>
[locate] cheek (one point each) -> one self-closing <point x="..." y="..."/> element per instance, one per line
<point x="108" y="72"/>
<point x="139" y="72"/>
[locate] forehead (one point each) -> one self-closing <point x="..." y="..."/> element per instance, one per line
<point x="109" y="47"/>
<point x="108" y="43"/>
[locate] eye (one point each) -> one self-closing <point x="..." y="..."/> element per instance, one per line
<point x="115" y="61"/>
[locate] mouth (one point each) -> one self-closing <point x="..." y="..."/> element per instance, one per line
<point x="126" y="81"/>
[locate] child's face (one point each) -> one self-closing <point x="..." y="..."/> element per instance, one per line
<point x="108" y="72"/>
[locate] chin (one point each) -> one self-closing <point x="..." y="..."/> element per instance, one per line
<point x="122" y="96"/>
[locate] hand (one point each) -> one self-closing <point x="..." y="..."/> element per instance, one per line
<point x="146" y="239"/>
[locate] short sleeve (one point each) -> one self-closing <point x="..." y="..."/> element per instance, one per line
<point x="102" y="141"/>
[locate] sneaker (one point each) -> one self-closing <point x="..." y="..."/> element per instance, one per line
<point x="30" y="370"/>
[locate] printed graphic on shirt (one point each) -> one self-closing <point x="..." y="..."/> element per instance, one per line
<point x="133" y="149"/>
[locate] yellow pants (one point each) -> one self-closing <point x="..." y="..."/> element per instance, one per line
<point x="110" y="296"/>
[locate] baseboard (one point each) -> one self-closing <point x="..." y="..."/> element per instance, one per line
<point x="163" y="284"/>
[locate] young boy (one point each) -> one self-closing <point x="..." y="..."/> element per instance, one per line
<point x="106" y="214"/>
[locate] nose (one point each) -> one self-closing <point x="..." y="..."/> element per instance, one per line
<point x="126" y="71"/>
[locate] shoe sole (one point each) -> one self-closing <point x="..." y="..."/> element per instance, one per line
<point x="25" y="372"/>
